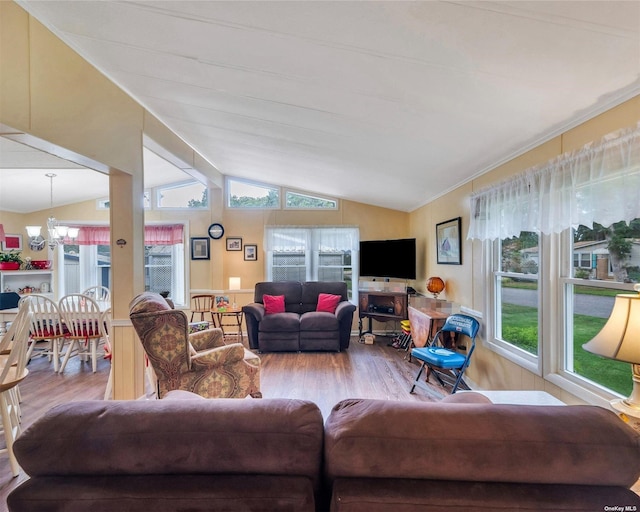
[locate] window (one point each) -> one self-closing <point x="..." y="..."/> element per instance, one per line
<point x="589" y="299"/>
<point x="244" y="194"/>
<point x="185" y="195"/>
<point x="104" y="203"/>
<point x="89" y="263"/>
<point x="579" y="271"/>
<point x="516" y="296"/>
<point x="312" y="254"/>
<point x="296" y="200"/>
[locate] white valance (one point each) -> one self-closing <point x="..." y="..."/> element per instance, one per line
<point x="598" y="183"/>
<point x="315" y="238"/>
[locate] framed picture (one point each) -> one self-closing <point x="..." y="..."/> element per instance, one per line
<point x="251" y="252"/>
<point x="221" y="302"/>
<point x="449" y="242"/>
<point x="200" y="248"/>
<point x="234" y="244"/>
<point x="12" y="243"/>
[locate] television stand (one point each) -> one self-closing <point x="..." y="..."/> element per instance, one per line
<point x="382" y="306"/>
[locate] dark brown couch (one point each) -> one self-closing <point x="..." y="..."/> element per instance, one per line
<point x="267" y="455"/>
<point x="172" y="455"/>
<point x="300" y="327"/>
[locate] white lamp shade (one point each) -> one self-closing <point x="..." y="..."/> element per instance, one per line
<point x="73" y="232"/>
<point x="620" y="337"/>
<point x="33" y="231"/>
<point x="61" y="231"/>
<point x="234" y="283"/>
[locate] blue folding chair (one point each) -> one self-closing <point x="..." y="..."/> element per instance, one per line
<point x="446" y="357"/>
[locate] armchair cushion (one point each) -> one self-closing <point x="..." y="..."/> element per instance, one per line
<point x="210" y="338"/>
<point x="219" y="356"/>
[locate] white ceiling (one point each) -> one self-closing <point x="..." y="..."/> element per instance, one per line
<point x="388" y="103"/>
<point x="25" y="188"/>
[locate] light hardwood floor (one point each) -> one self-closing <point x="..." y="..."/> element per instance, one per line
<point x="362" y="371"/>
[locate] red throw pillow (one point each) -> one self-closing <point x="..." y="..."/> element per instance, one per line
<point x="273" y="304"/>
<point x="328" y="302"/>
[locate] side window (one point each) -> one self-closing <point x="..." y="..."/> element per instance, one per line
<point x="244" y="194"/>
<point x="516" y="292"/>
<point x="589" y="294"/>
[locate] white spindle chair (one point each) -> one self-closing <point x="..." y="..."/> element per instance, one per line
<point x="83" y="322"/>
<point x="98" y="293"/>
<point x="12" y="371"/>
<point x="46" y="325"/>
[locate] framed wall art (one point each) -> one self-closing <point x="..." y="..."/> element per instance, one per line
<point x="200" y="248"/>
<point x="449" y="242"/>
<point x="234" y="244"/>
<point x="250" y="252"/>
<point x="12" y="243"/>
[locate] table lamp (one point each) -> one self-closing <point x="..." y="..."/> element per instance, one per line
<point x="234" y="284"/>
<point x="619" y="339"/>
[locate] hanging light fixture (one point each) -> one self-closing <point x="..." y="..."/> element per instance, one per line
<point x="56" y="233"/>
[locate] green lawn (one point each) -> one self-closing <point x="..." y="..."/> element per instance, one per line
<point x="520" y="327"/>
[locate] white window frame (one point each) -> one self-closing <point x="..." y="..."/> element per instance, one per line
<point x="158" y="193"/>
<point x="251" y="183"/>
<point x="312" y="257"/>
<point x="521" y="357"/>
<point x="554" y="335"/>
<point x="288" y="191"/>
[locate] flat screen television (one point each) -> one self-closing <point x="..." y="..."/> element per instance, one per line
<point x="388" y="258"/>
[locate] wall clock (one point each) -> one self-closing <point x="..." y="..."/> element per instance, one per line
<point x="216" y="231"/>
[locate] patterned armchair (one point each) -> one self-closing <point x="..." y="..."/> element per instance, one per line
<point x="199" y="362"/>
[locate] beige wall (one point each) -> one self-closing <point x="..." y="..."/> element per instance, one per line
<point x="465" y="283"/>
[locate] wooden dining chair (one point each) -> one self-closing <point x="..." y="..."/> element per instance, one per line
<point x="13" y="371"/>
<point x="203" y="305"/>
<point x="83" y="323"/>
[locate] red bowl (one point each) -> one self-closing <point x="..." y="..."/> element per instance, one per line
<point x="41" y="264"/>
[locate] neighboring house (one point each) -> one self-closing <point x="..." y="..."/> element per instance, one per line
<point x="593" y="257"/>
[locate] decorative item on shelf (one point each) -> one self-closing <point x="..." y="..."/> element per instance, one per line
<point x="27" y="263"/>
<point x="41" y="264"/>
<point x="234" y="285"/>
<point x="56" y="232"/>
<point x="10" y="260"/>
<point x="619" y="339"/>
<point x="435" y="285"/>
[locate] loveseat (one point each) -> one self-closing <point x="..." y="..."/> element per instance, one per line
<point x="463" y="453"/>
<point x="298" y="325"/>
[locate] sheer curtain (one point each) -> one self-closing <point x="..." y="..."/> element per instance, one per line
<point x="598" y="183"/>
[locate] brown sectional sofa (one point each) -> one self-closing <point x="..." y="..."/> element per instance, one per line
<point x="370" y="455"/>
<point x="300" y="327"/>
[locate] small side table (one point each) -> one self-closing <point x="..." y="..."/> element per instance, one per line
<point x="235" y="316"/>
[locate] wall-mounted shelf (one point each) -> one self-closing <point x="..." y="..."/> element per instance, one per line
<point x="16" y="280"/>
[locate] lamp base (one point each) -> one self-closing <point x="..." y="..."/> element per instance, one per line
<point x="628" y="412"/>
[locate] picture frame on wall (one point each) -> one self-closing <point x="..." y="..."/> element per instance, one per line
<point x="12" y="243"/>
<point x="449" y="242"/>
<point x="200" y="248"/>
<point x="234" y="244"/>
<point x="250" y="252"/>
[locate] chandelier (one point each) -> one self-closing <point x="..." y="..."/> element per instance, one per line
<point x="56" y="233"/>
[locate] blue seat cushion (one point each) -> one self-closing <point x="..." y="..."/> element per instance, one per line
<point x="438" y="356"/>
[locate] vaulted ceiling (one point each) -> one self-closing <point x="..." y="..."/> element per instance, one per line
<point x="389" y="103"/>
